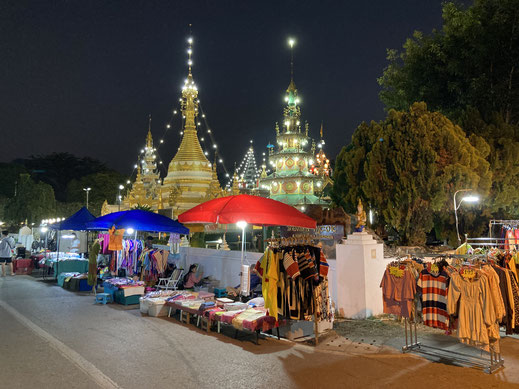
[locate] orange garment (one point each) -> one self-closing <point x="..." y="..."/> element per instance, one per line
<point x="116" y="239"/>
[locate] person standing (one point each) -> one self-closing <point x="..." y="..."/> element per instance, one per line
<point x="76" y="243"/>
<point x="6" y="245"/>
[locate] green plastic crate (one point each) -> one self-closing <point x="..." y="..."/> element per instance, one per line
<point x="130" y="300"/>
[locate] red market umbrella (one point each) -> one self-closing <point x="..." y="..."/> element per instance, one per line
<point x="251" y="209"/>
<point x="246" y="209"/>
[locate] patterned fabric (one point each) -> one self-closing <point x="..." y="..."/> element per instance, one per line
<point x="515" y="294"/>
<point x="290" y="264"/>
<point x="323" y="265"/>
<point x="434" y="299"/>
<point x="306" y="265"/>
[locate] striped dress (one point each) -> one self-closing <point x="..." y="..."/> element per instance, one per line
<point x="434" y="299"/>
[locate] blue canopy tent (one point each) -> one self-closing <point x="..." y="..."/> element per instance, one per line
<point x="138" y="220"/>
<point x="76" y="222"/>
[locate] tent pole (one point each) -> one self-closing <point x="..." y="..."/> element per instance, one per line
<point x="57" y="257"/>
<point x="242" y="244"/>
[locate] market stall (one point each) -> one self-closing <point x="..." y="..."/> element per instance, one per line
<point x="66" y="262"/>
<point x="294" y="274"/>
<point x="127" y="256"/>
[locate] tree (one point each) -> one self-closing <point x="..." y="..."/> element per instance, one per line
<point x="58" y="169"/>
<point x="469" y="71"/>
<point x="9" y="173"/>
<point x="472" y="62"/>
<point x="33" y="202"/>
<point x="503" y="156"/>
<point x="407" y="167"/>
<point x="104" y="186"/>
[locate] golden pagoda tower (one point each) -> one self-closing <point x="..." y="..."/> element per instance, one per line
<point x="146" y="188"/>
<point x="189" y="173"/>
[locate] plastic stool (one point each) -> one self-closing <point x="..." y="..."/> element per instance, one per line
<point x="220" y="292"/>
<point x="103" y="298"/>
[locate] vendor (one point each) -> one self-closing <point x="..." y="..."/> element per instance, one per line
<point x="191" y="280"/>
<point x="74" y="247"/>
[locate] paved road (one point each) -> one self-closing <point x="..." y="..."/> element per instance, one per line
<point x="54" y="338"/>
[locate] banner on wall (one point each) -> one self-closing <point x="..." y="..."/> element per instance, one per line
<point x="327" y="235"/>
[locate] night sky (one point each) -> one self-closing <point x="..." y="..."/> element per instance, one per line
<point x="82" y="76"/>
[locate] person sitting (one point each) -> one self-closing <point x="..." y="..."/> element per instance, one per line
<point x="191" y="279"/>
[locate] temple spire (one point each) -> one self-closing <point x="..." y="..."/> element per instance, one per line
<point x="190" y="149"/>
<point x="149" y="139"/>
<point x="292" y="85"/>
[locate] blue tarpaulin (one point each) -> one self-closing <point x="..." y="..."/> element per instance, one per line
<point x="139" y="221"/>
<point x="76" y="222"/>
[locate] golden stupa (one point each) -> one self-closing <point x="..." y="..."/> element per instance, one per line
<point x="191" y="179"/>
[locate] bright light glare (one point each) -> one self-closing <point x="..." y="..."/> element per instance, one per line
<point x="471" y="199"/>
<point x="291" y="42"/>
<point x="242" y="224"/>
<point x="44" y="229"/>
<point x="130" y="230"/>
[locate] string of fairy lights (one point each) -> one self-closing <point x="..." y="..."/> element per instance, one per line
<point x="208" y="141"/>
<point x="247" y="168"/>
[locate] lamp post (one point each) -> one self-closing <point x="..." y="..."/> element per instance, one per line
<point x="243" y="225"/>
<point x="121" y="187"/>
<point x="87" y="190"/>
<point x="468" y="199"/>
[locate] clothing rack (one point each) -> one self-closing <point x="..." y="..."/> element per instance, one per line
<point x="488" y="365"/>
<point x="294" y="240"/>
<point x="494" y="222"/>
<point x="299" y="239"/>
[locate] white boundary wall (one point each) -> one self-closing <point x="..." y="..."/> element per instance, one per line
<point x="220" y="264"/>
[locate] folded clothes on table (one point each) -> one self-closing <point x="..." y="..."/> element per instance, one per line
<point x="205" y="295"/>
<point x="235" y="306"/>
<point x="207" y="305"/>
<point x="212" y="312"/>
<point x="226" y="317"/>
<point x="248" y="316"/>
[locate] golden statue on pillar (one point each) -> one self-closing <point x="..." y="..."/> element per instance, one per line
<point x="361" y="217"/>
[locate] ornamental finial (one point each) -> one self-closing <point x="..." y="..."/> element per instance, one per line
<point x="149" y="139"/>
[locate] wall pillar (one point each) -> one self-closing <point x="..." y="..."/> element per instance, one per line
<point x="360" y="267"/>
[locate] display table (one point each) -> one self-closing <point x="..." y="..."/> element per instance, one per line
<point x="124" y="290"/>
<point x="253" y="320"/>
<point x="23" y="266"/>
<point x="68" y="266"/>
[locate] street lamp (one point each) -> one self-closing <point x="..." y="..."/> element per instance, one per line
<point x="243" y="225"/>
<point x="121" y="187"/>
<point x="87" y="190"/>
<point x="467" y="199"/>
